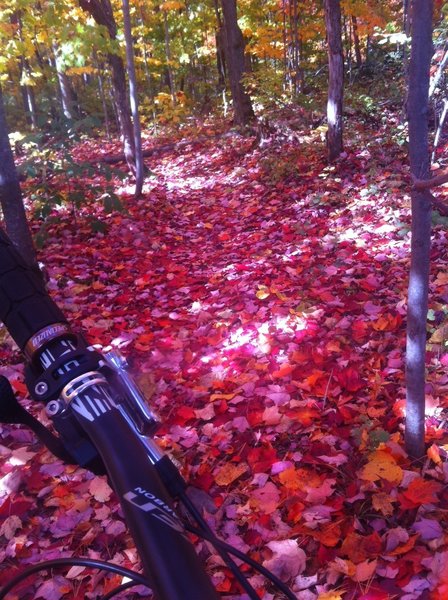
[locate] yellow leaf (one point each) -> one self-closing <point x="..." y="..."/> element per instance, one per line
<point x="262" y="293"/>
<point x="229" y="473"/>
<point x="433" y="453"/>
<point x="382" y="465"/>
<point x="330" y="596"/>
<point x="439" y="335"/>
<point x="208" y="225"/>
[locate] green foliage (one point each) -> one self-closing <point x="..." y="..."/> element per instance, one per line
<point x="265" y="87"/>
<point x="55" y="180"/>
<point x="369" y="434"/>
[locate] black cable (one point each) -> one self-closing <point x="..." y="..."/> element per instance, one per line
<point x="73" y="562"/>
<point x="121" y="588"/>
<point x="203" y="525"/>
<point x="216" y="542"/>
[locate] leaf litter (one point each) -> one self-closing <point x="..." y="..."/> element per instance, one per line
<point x="265" y="318"/>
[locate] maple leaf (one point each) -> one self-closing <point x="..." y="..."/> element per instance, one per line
<point x="288" y="559"/>
<point x="382" y="465"/>
<point x="382" y="502"/>
<point x="358" y="548"/>
<point x="100" y="489"/>
<point x="420" y="491"/>
<point x="265" y="499"/>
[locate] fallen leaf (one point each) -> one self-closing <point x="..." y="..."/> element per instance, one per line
<point x="100" y="489"/>
<point x="229" y="472"/>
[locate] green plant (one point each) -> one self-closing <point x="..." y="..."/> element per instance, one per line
<point x="54" y="180"/>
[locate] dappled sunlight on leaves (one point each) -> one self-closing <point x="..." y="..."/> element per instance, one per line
<point x="265" y="319"/>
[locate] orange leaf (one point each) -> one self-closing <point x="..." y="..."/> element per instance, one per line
<point x="284" y="370"/>
<point x="382" y="465"/>
<point x="365" y="570"/>
<point x="290" y="478"/>
<point x="330" y="536"/>
<point x="215" y="397"/>
<point x="229" y="473"/>
<point x="433" y="453"/>
<point x="382" y="502"/>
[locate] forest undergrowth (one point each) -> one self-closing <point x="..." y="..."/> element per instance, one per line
<point x="260" y="296"/>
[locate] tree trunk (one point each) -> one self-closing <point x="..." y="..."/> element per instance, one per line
<point x="11" y="196"/>
<point x="335" y="78"/>
<point x="169" y="70"/>
<point x="356" y="44"/>
<point x="133" y="99"/>
<point x="234" y="47"/>
<point x="220" y="49"/>
<point x="27" y="90"/>
<point x="29" y="104"/>
<point x="67" y="94"/>
<point x="102" y="13"/>
<point x="68" y="97"/>
<point x="103" y="99"/>
<point x="421" y="54"/>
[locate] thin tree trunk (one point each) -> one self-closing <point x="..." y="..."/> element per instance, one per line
<point x="220" y="49"/>
<point x="285" y="48"/>
<point x="440" y="125"/>
<point x="29" y="104"/>
<point x="11" y="196"/>
<point x="348" y="46"/>
<point x="148" y="76"/>
<point x="358" y="56"/>
<point x="168" y="57"/>
<point x="295" y="46"/>
<point x="102" y="13"/>
<point x="25" y="73"/>
<point x="133" y="99"/>
<point x="123" y="112"/>
<point x="421" y="54"/>
<point x="242" y="105"/>
<point x="435" y="79"/>
<point x="335" y="78"/>
<point x="103" y="100"/>
<point x="67" y="93"/>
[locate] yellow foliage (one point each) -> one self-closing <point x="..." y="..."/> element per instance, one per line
<point x="172" y="5"/>
<point x="81" y="71"/>
<point x="382" y="465"/>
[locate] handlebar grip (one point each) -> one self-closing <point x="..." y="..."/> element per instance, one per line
<point x="25" y="306"/>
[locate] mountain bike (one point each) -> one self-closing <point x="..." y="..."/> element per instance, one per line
<point x="103" y="423"/>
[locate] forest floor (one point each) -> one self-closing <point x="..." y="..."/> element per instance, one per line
<point x="260" y="296"/>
